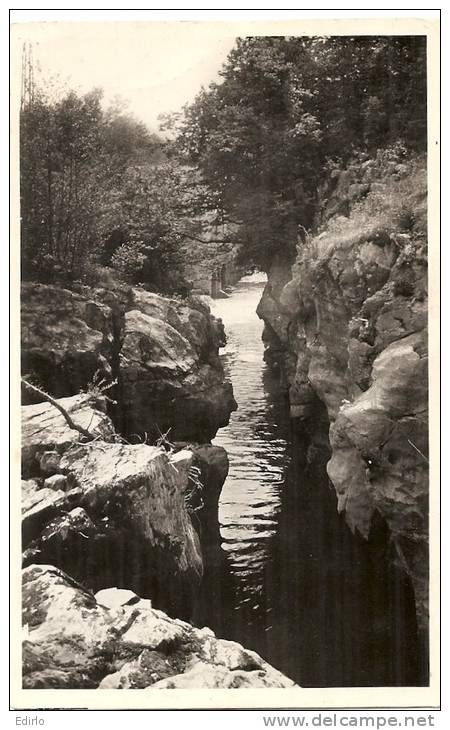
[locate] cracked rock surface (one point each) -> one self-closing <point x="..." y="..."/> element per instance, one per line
<point x="348" y="323"/>
<point x="71" y="640"/>
<point x="163" y="354"/>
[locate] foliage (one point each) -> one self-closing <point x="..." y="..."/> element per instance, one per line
<point x="250" y="153"/>
<point x="395" y="210"/>
<point x="98" y="190"/>
<point x="58" y="139"/>
<point x="42" y="394"/>
<point x="193" y="495"/>
<point x="156" y="209"/>
<point x="72" y="154"/>
<point x="284" y="107"/>
<point x="129" y="260"/>
<point x="401" y="202"/>
<point x="72" y="159"/>
<point x="97" y="390"/>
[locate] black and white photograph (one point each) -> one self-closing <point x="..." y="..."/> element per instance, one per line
<point x="225" y="251"/>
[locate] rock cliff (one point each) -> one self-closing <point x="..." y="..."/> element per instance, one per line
<point x="97" y="500"/>
<point x="115" y="640"/>
<point x="162" y="352"/>
<point x="349" y="328"/>
<point x="108" y="512"/>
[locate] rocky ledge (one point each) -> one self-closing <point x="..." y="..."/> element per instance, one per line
<point x="117" y="517"/>
<point x="161" y="353"/>
<point x="348" y="324"/>
<point x="113" y="513"/>
<point x="112" y="372"/>
<point x="74" y="639"/>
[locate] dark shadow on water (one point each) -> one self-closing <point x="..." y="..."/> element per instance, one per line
<point x="345" y="614"/>
<point x="322" y="605"/>
<point x="332" y="608"/>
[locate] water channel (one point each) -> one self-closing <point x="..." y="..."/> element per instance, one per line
<point x="289" y="579"/>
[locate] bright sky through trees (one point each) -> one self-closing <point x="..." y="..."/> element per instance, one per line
<point x="156" y="67"/>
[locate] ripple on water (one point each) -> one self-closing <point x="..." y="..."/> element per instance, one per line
<point x="319" y="603"/>
<point x="250" y="499"/>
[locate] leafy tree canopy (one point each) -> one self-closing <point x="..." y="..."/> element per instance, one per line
<point x="249" y="155"/>
<point x="285" y="107"/>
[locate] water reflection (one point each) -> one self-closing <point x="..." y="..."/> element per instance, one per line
<point x="289" y="579"/>
<point x="255" y="442"/>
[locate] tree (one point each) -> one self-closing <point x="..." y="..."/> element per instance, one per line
<point x="157" y="209"/>
<point x="72" y="159"/>
<point x="250" y="153"/>
<point x="263" y="136"/>
<point x="61" y="183"/>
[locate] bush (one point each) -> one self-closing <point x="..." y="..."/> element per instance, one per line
<point x="73" y="156"/>
<point x="394" y="206"/>
<point x="129" y="260"/>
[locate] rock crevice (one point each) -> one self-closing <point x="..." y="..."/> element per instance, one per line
<point x="113" y="510"/>
<point x="115" y="640"/>
<point x="347" y="322"/>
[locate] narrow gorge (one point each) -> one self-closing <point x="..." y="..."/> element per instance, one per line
<point x="268" y="560"/>
<point x="224" y="356"/>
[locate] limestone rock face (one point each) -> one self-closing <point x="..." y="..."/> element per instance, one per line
<point x="72" y="641"/>
<point x="110" y="513"/>
<point x="276" y="318"/>
<point x="212" y="465"/>
<point x="380" y="457"/>
<point x="66" y="338"/>
<point x="162" y="352"/>
<point x="350" y="331"/>
<point x="45" y="431"/>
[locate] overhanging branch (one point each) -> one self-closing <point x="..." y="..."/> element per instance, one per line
<point x="69" y="420"/>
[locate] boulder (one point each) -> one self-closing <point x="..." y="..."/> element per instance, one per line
<point x="46" y="434"/>
<point x="153" y="345"/>
<point x="65" y="526"/>
<point x="142" y="489"/>
<point x="57" y="481"/>
<point x="124" y="521"/>
<point x="66" y="338"/>
<point x="165" y="387"/>
<point x="190" y="317"/>
<point x="74" y="642"/>
<point x="163" y="353"/>
<point x="114" y="597"/>
<point x="49" y="463"/>
<point x="38" y="507"/>
<point x="204" y="676"/>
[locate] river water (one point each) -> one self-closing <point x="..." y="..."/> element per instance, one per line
<point x="289" y="579"/>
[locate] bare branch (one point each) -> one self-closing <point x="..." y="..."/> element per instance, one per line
<point x="418" y="451"/>
<point x="70" y="422"/>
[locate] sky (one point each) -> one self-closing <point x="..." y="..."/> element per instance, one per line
<point x="155" y="67"/>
